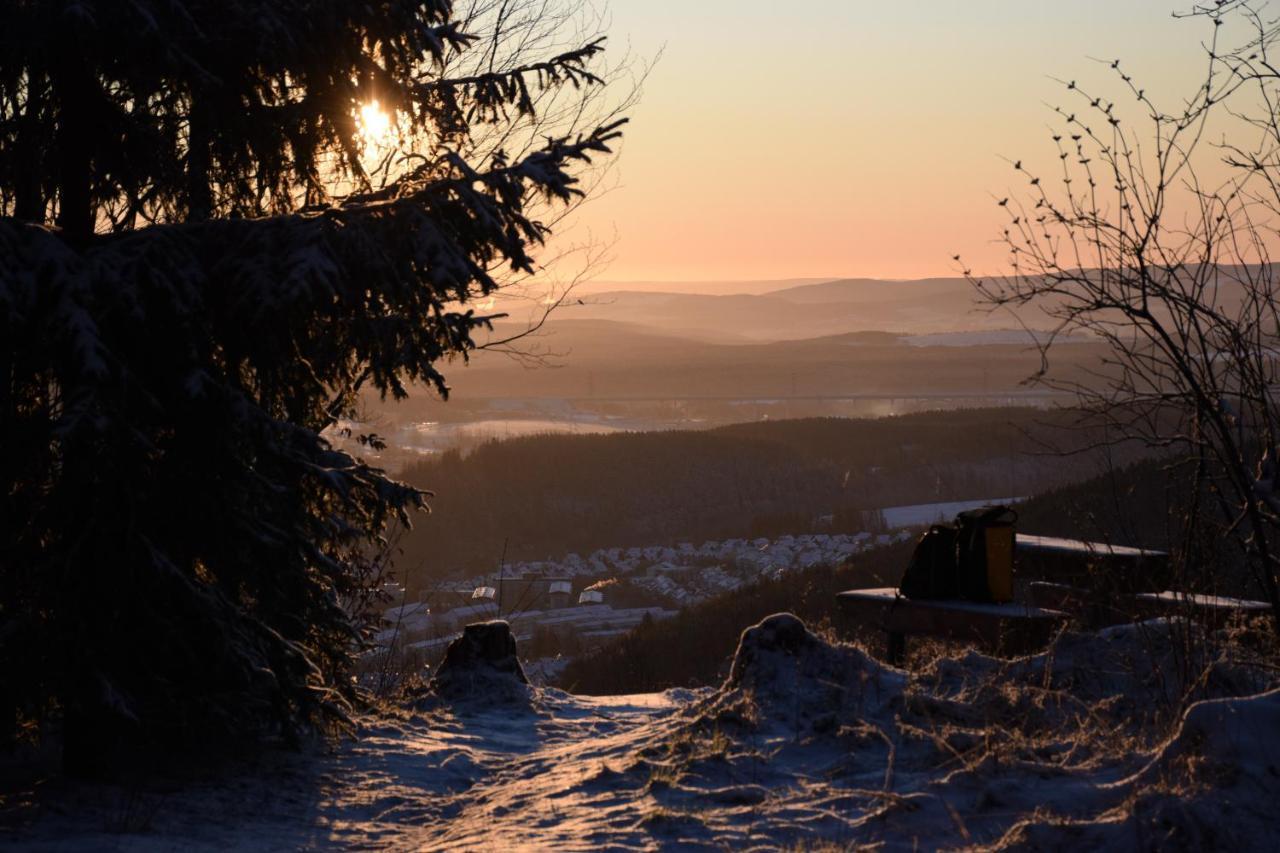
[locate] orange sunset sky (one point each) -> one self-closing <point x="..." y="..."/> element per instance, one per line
<point x="851" y="138"/>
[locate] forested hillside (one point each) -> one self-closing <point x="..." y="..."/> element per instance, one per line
<point x="544" y="496"/>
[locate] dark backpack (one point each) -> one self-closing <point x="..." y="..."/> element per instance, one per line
<point x="972" y="576"/>
<point x="931" y="572"/>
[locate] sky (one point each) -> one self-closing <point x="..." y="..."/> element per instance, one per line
<point x="826" y="138"/>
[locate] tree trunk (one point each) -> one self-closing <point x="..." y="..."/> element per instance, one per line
<point x="199" y="133"/>
<point x="73" y="91"/>
<point x="29" y="202"/>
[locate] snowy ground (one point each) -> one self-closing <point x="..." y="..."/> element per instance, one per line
<point x="806" y="744"/>
<point x="922" y="515"/>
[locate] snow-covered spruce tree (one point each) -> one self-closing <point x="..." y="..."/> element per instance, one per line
<point x="198" y="273"/>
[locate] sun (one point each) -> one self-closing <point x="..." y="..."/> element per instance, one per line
<point x="375" y="125"/>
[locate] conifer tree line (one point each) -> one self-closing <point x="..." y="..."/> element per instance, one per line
<point x="201" y="266"/>
<point x="542" y="497"/>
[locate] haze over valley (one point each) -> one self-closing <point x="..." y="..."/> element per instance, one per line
<point x="624" y="360"/>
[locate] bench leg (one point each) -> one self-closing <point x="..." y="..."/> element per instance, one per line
<point x="897" y="648"/>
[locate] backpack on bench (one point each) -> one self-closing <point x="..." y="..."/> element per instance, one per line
<point x="971" y="559"/>
<point x="931" y="571"/>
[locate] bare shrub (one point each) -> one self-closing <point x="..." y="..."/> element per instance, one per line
<point x="1155" y="238"/>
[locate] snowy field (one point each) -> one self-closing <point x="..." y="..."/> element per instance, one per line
<point x="806" y="744"/>
<point x="922" y="515"/>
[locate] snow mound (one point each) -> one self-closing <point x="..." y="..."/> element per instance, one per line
<point x="1037" y="752"/>
<point x="483" y="664"/>
<point x="795" y="710"/>
<point x="1212" y="786"/>
<point x="784" y="675"/>
<point x="1126" y="678"/>
<point x="1234" y="738"/>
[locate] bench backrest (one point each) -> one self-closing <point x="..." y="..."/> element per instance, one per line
<point x="1096" y="566"/>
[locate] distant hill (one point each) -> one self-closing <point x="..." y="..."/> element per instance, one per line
<point x="706" y="288"/>
<point x="610" y="358"/>
<point x="875" y="290"/>
<point x="792" y="313"/>
<point x="807" y="308"/>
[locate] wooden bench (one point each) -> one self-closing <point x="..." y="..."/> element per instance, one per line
<point x="1098" y="583"/>
<point x="1013" y="626"/>
<point x="1010" y="627"/>
<point x="1212" y="611"/>
<point x="1090" y="565"/>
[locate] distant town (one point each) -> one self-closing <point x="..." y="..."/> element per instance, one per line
<point x="562" y="608"/>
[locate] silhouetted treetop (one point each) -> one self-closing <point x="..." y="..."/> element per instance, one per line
<point x="120" y="115"/>
<point x="204" y="256"/>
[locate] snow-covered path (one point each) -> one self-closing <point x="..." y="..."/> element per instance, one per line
<point x="481" y="777"/>
<point x="473" y="777"/>
<point x="570" y="791"/>
<point x="808" y="743"/>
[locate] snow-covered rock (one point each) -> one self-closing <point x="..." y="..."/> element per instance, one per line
<point x="482" y="664"/>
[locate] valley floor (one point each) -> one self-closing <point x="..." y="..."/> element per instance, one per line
<point x="807" y="744"/>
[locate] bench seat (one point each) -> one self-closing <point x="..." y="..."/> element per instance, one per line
<point x="1010" y="627"/>
<point x="1213" y="611"/>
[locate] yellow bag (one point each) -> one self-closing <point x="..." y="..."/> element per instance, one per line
<point x="1000" y="561"/>
<point x="984" y="551"/>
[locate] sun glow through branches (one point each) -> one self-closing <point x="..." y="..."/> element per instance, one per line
<point x="375" y="126"/>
